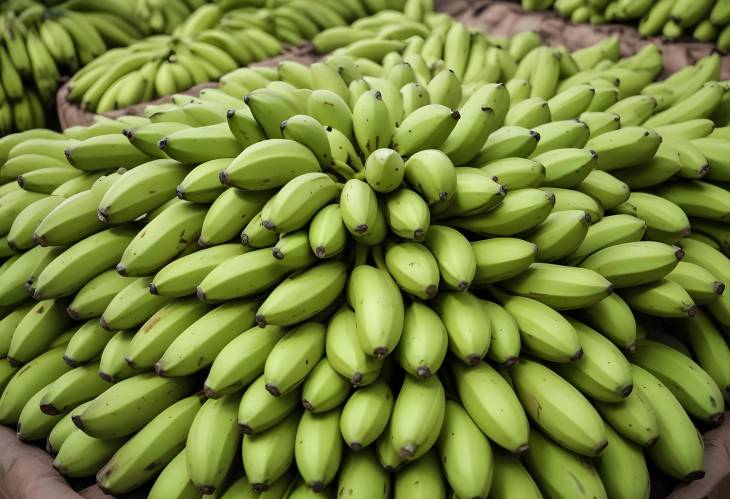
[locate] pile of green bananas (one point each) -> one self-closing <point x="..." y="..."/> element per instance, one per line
<point x="469" y="267"/>
<point x="702" y="20"/>
<point x="215" y="40"/>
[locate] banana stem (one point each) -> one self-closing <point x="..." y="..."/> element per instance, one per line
<point x="379" y="258"/>
<point x="361" y="254"/>
<point x="343" y="170"/>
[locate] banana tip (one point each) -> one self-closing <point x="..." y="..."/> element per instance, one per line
<point x="153" y="289"/>
<point x="685" y="232"/>
<point x="463" y="285"/>
<point x="127" y="132"/>
<point x="651" y="442"/>
<point x="210" y="393"/>
<point x="78" y="422"/>
<point x="443" y="196"/>
<point x="431" y="291"/>
<point x="180" y="192"/>
<point x="20" y="180"/>
<point x="223" y="177"/>
<point x="423" y="372"/>
<point x="626" y="390"/>
<point x="473" y="359"/>
<point x="40" y="240"/>
<point x="577" y="355"/>
<point x="244" y="239"/>
<point x="202" y="243"/>
<point x="121" y="270"/>
<point x="130" y="362"/>
<point x="12" y="245"/>
<point x="71" y="312"/>
<point x="106" y="377"/>
<point x="70" y="362"/>
<point x="678" y="252"/>
<point x="13" y="362"/>
<point x="159" y="370"/>
<point x="49" y="409"/>
<point x="510" y="362"/>
<point x="692" y="311"/>
<point x="245" y="429"/>
<point x="380" y="352"/>
<point x="69" y="156"/>
<point x="206" y="489"/>
<point x="259" y="487"/>
<point x="361" y="229"/>
<point x="162" y="144"/>
<point x="103" y="215"/>
<point x="320" y="251"/>
<point x="200" y="294"/>
<point x="356" y="446"/>
<point x="277" y="253"/>
<point x="230" y="113"/>
<point x="104" y="324"/>
<point x="356" y="379"/>
<point x="599" y="448"/>
<point x="317" y="486"/>
<point x="261" y="320"/>
<point x="37" y="295"/>
<point x="719" y="287"/>
<point x="273" y="389"/>
<point x="522" y="449"/>
<point x="630" y="348"/>
<point x="307" y="405"/>
<point x="407" y="451"/>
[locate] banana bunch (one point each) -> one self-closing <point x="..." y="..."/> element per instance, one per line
<point x="423" y="272"/>
<point x="211" y="41"/>
<point x="703" y="20"/>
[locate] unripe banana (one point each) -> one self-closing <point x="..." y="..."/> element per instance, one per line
<point x="414" y="268"/>
<point x="432" y="174"/>
<point x="610" y="191"/>
<point x="544" y="332"/>
<point x="515" y="173"/>
<point x="559" y="235"/>
<point x="476" y="192"/>
<point x="625" y="147"/>
<point x="72" y="389"/>
<point x="425" y="128"/>
<point x="613" y="318"/>
<point x="282" y="371"/>
<point x="467" y="325"/>
<point x="318" y="449"/>
<point x="424" y="342"/>
<point x="407" y="214"/>
<point x="511" y="477"/>
<point x="202" y="183"/>
<point x="379" y="329"/>
<point x="260" y="410"/>
<point x="609" y="231"/>
<point x="633" y="264"/>
<point x="662" y="298"/>
<point x="676" y="430"/>
<point x="454" y="255"/>
<point x="131" y="306"/>
<point x="303" y="295"/>
<point x="358" y="207"/>
<point x="493" y="405"/>
<point x="465" y="453"/>
<point x="500" y="258"/>
<point x="372" y="123"/>
<point x="418" y="415"/>
<point x="528" y="113"/>
<point x="268" y="455"/>
<point x="324" y="389"/>
<point x="422" y="478"/>
<point x="344" y="352"/>
<point x="229" y="214"/>
<point x="558" y="408"/>
<point x="327" y="232"/>
<point x="508" y="142"/>
<point x="702" y="286"/>
<point x="112" y="365"/>
<point x="560" y="135"/>
<point x="521" y="210"/>
<point x="384" y="170"/>
<point x="362" y="476"/>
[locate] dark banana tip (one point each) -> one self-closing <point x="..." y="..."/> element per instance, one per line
<point x="70" y="362"/>
<point x="104" y="324"/>
<point x="159" y="370"/>
<point x="510" y="362"/>
<point x="456" y="115"/>
<point x="577" y="355"/>
<point x="126" y="132"/>
<point x="328" y="128"/>
<point x="13" y="362"/>
<point x="704" y="170"/>
<point x="419" y="234"/>
<point x="277" y="253"/>
<point x="162" y="144"/>
<point x="131" y="363"/>
<point x="210" y="393"/>
<point x="378" y="95"/>
<point x="106" y="377"/>
<point x="69" y="155"/>
<point x="356" y="379"/>
<point x="40" y="240"/>
<point x="535" y="135"/>
<point x="103" y="215"/>
<point x="356" y="446"/>
<point x="49" y="409"/>
<point x="423" y="372"/>
<point x="678" y="252"/>
<point x="246" y="98"/>
<point x="12" y="245"/>
<point x="626" y="390"/>
<point x="380" y="352"/>
<point x="121" y="270"/>
<point x="244" y="239"/>
<point x="600" y="447"/>
<point x="550" y="198"/>
<point x="587" y="218"/>
<point x="268" y="225"/>
<point x="361" y="229"/>
<point x="473" y="359"/>
<point x="245" y="429"/>
<point x="230" y="113"/>
<point x="692" y="311"/>
<point x="630" y="348"/>
<point x="73" y="313"/>
<point x="487" y="109"/>
<point x="259" y="487"/>
<point x="307" y="405"/>
<point x="206" y="489"/>
<point x="37" y="296"/>
<point x="320" y="251"/>
<point x="223" y="177"/>
<point x="463" y="285"/>
<point x="180" y="192"/>
<point x="200" y="294"/>
<point x="443" y="196"/>
<point x="153" y="289"/>
<point x="282" y="125"/>
<point x="273" y="389"/>
<point x="719" y="287"/>
<point x="20" y="180"/>
<point x="502" y="190"/>
<point x="431" y="291"/>
<point x="318" y="487"/>
<point x="685" y="232"/>
<point x="594" y="154"/>
<point x="651" y="442"/>
<point x="407" y="451"/>
<point x="78" y="422"/>
<point x="522" y="449"/>
<point x="202" y="243"/>
<point x="261" y="320"/>
<point x="692" y="476"/>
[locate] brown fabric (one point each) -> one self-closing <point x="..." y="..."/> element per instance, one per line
<point x="70" y="114"/>
<point x="26" y="472"/>
<point x="507" y="18"/>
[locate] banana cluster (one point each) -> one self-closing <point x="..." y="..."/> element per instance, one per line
<point x="703" y="20"/>
<point x="470" y="267"/>
<point x="214" y="40"/>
